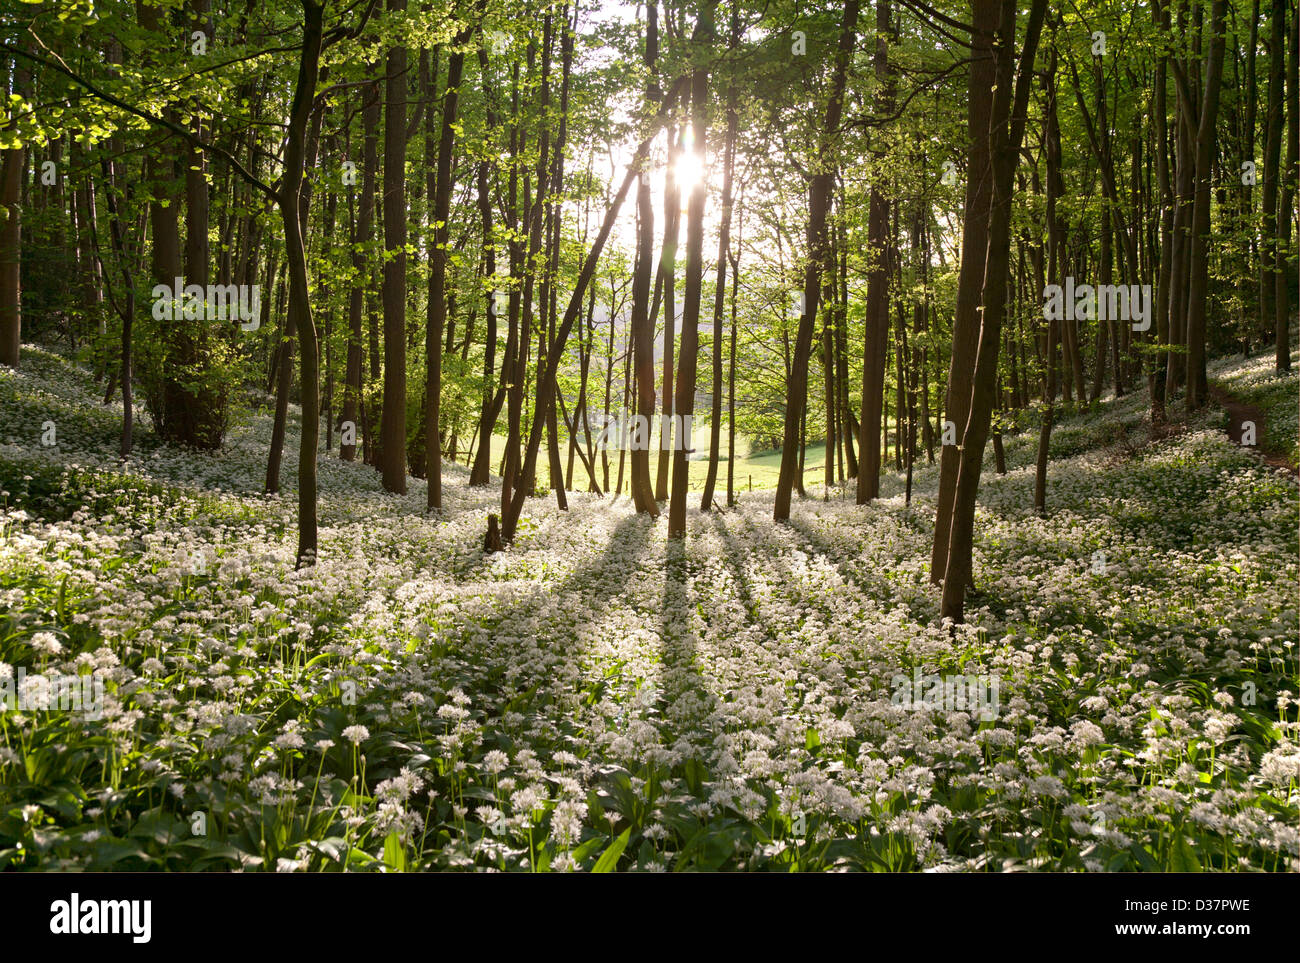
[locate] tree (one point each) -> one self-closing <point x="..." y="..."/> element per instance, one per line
<point x="1005" y="132"/>
<point x="720" y="284"/>
<point x="643" y="496"/>
<point x="13" y="165"/>
<point x="440" y="200"/>
<point x="876" y="344"/>
<point x="1197" y="292"/>
<point x="392" y="431"/>
<point x="684" y="405"/>
<point x="819" y="195"/>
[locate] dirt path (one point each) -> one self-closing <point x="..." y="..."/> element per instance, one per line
<point x="1239" y="415"/>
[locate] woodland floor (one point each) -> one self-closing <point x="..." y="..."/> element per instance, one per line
<point x="600" y="698"/>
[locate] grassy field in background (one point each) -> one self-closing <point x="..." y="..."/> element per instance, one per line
<point x="755" y="470"/>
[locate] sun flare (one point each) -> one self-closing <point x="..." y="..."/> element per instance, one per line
<point x="688" y="171"/>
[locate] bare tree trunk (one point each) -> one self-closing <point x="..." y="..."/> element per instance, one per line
<point x="512" y="369"/>
<point x="12" y="166"/>
<point x="439" y="194"/>
<point x="1165" y="277"/>
<point x="362" y="229"/>
<point x="642" y="333"/>
<point x="392" y="430"/>
<point x="1290" y="172"/>
<point x="731" y="376"/>
<point x="819" y="193"/>
<point x="482" y="462"/>
<point x="668" y="278"/>
<point x="849" y="427"/>
<point x="829" y="392"/>
<point x="719" y="294"/>
<point x="283" y="383"/>
<point x="294" y="214"/>
<point x="1199" y="282"/>
<point x="1279" y="185"/>
<point x="1006" y="131"/>
<point x="876" y="345"/>
<point x="684" y="408"/>
<point x="128" y="288"/>
<point x="974" y="250"/>
<point x="1055" y="238"/>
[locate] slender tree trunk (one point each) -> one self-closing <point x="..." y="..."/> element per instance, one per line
<point x="362" y="230"/>
<point x="684" y="408"/>
<point x="128" y="288"/>
<point x="1165" y="277"/>
<point x="876" y="343"/>
<point x="1006" y="131"/>
<point x="975" y="240"/>
<point x="1197" y="292"/>
<point x="850" y="429"/>
<point x="1290" y="173"/>
<point x="642" y="333"/>
<point x="392" y="430"/>
<point x="482" y="463"/>
<point x="1055" y="238"/>
<point x="546" y="383"/>
<point x="279" y="427"/>
<point x="719" y="294"/>
<point x="1274" y="124"/>
<point x="829" y="392"/>
<point x="439" y="193"/>
<point x="819" y="202"/>
<point x="293" y="213"/>
<point x="731" y="379"/>
<point x="12" y="167"/>
<point x="668" y="278"/>
<point x="512" y="370"/>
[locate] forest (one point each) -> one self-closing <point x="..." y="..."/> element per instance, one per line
<point x="613" y="435"/>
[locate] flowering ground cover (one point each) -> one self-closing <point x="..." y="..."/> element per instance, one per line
<point x="598" y="697"/>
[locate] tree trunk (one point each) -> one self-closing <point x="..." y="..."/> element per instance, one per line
<point x="668" y="279"/>
<point x="1055" y="239"/>
<point x="684" y="407"/>
<point x="392" y="430"/>
<point x="362" y="231"/>
<point x="719" y="294"/>
<point x="642" y="333"/>
<point x="439" y="194"/>
<point x="1165" y="277"/>
<point x="12" y="167"/>
<point x="128" y="287"/>
<point x="876" y="343"/>
<point x="279" y="426"/>
<point x="293" y="214"/>
<point x="731" y="377"/>
<point x="819" y="193"/>
<point x="1199" y="282"/>
<point x="1290" y="172"/>
<point x="974" y="250"/>
<point x="1006" y="130"/>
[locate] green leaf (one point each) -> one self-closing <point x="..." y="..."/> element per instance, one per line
<point x="610" y="856"/>
<point x="1182" y="859"/>
<point x="395" y="852"/>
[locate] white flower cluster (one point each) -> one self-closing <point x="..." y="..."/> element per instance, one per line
<point x="525" y="709"/>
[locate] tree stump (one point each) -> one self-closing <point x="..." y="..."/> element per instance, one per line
<point x="492" y="542"/>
